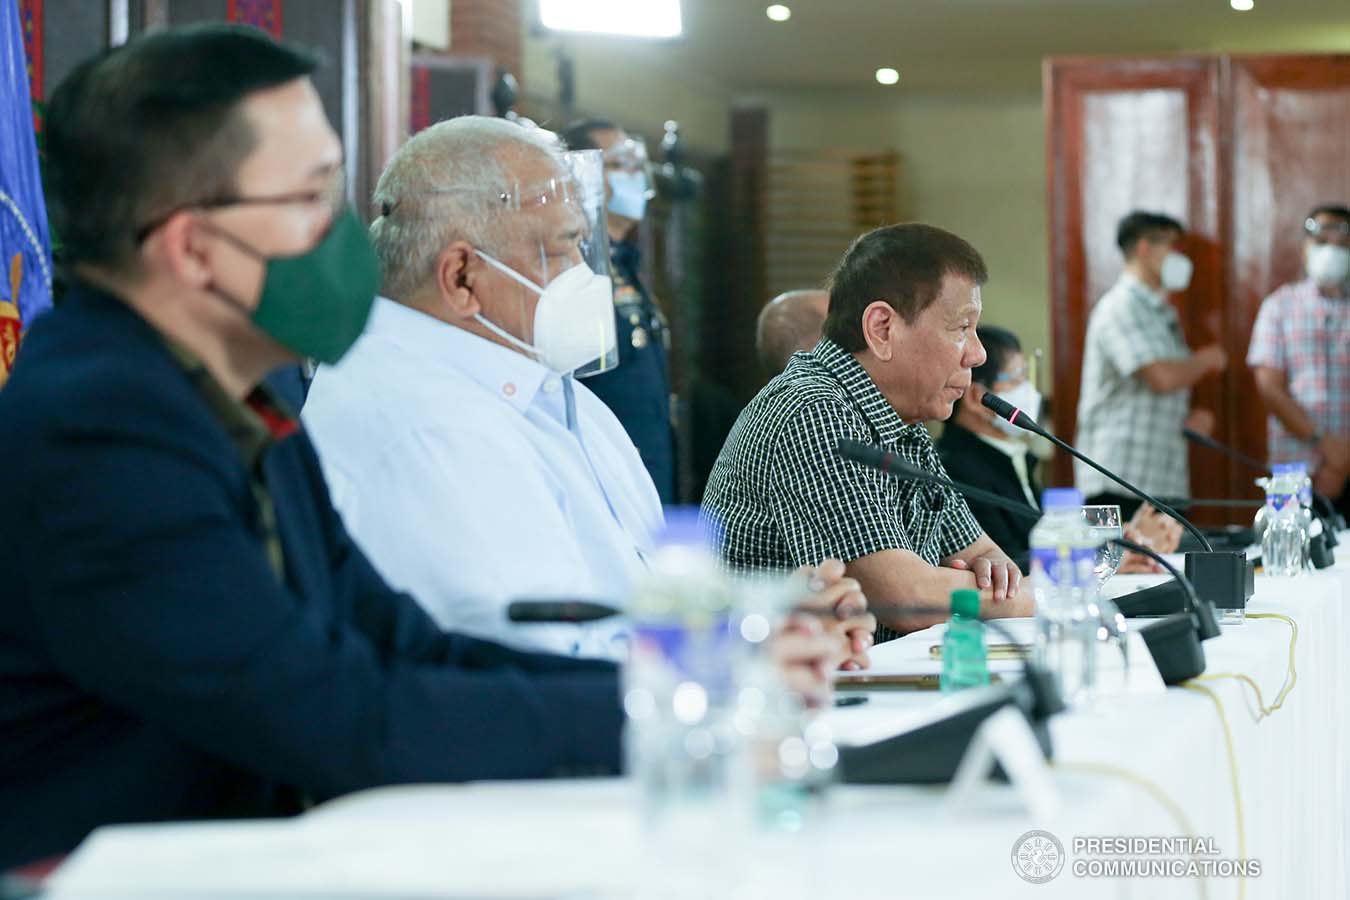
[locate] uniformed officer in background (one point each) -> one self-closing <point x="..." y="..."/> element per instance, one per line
<point x="638" y="390"/>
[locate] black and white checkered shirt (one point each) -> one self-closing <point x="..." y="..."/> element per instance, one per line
<point x="781" y="498"/>
<point x="1122" y="422"/>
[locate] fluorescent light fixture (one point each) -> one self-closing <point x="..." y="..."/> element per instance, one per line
<point x="1242" y="5"/>
<point x="778" y="12"/>
<point x="887" y="76"/>
<point x="632" y="18"/>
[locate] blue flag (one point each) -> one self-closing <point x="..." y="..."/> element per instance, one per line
<point x="25" y="245"/>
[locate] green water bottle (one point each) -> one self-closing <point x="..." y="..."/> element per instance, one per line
<point x="964" y="663"/>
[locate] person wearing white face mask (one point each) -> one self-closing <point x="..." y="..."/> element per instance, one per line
<point x="982" y="449"/>
<point x="639" y="392"/>
<point x="1300" y="354"/>
<point x="458" y="437"/>
<point x="1138" y="371"/>
<point x="979" y="448"/>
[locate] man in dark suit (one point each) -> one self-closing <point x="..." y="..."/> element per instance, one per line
<point x="638" y="390"/>
<point x="185" y="628"/>
<point x="978" y="450"/>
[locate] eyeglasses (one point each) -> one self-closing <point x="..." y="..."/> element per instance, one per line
<point x="332" y="195"/>
<point x="1018" y="374"/>
<point x="1314" y="228"/>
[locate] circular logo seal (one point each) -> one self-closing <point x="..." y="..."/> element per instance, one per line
<point x="1037" y="857"/>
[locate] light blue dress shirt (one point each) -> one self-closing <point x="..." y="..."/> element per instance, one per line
<point x="472" y="475"/>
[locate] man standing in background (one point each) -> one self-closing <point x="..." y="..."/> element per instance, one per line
<point x="1138" y="371"/>
<point x="1301" y="358"/>
<point x="638" y="391"/>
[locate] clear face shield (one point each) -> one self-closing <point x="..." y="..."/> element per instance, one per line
<point x="629" y="178"/>
<point x="559" y="308"/>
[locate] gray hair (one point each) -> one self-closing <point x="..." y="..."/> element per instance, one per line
<point x="445" y="184"/>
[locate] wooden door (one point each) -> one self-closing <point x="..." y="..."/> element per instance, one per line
<point x="1126" y="134"/>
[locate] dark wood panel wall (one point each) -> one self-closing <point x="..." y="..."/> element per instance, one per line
<point x="356" y="84"/>
<point x="1238" y="149"/>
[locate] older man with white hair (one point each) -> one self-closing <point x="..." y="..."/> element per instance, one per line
<point x="460" y="404"/>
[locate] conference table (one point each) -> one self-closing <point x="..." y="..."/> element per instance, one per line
<point x="1251" y="759"/>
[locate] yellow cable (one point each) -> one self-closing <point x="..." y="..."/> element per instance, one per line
<point x="1288" y="687"/>
<point x="1290" y="679"/>
<point x="1151" y="788"/>
<point x="1233" y="774"/>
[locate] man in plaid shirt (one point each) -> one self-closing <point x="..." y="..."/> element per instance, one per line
<point x="898" y="348"/>
<point x="1138" y="372"/>
<point x="1301" y="357"/>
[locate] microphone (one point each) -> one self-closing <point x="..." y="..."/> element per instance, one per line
<point x="1006" y="410"/>
<point x="1208" y="442"/>
<point x="1323" y="507"/>
<point x="1157" y="600"/>
<point x="1174" y="641"/>
<point x="555" y="611"/>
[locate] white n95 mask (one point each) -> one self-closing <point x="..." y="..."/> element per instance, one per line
<point x="1026" y="398"/>
<point x="1176" y="272"/>
<point x="1329" y="264"/>
<point x="573" y="321"/>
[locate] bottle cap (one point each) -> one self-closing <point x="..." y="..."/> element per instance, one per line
<point x="1061" y="498"/>
<point x="966" y="603"/>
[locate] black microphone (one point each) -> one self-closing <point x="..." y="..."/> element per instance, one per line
<point x="1323" y="508"/>
<point x="1158" y="600"/>
<point x="1006" y="410"/>
<point x="570" y="611"/>
<point x="1208" y="442"/>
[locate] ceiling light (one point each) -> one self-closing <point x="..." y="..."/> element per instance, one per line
<point x="887" y="76"/>
<point x="778" y="12"/>
<point x="1242" y="5"/>
<point x="632" y="18"/>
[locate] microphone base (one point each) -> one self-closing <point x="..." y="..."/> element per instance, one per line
<point x="930" y="753"/>
<point x="1224" y="578"/>
<point x="1174" y="644"/>
<point x="1320" y="553"/>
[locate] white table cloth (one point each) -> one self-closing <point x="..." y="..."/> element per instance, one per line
<point x="1151" y="756"/>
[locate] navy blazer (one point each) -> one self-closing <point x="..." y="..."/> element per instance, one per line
<point x="153" y="666"/>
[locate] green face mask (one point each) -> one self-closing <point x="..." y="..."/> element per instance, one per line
<point x="317" y="303"/>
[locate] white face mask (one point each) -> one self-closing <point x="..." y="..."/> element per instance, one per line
<point x="627" y="194"/>
<point x="1026" y="398"/>
<point x="1329" y="264"/>
<point x="573" y="322"/>
<point x="1176" y="272"/>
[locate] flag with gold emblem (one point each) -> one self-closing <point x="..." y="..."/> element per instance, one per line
<point x="25" y="244"/>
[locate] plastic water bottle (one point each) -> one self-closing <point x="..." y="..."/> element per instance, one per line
<point x="679" y="696"/>
<point x="964" y="658"/>
<point x="1062" y="553"/>
<point x="1282" y="545"/>
<point x="1299" y="471"/>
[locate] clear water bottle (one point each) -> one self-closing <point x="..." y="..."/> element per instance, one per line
<point x="1299" y="471"/>
<point x="964" y="659"/>
<point x="1284" y="540"/>
<point x="1062" y="554"/>
<point x="679" y="695"/>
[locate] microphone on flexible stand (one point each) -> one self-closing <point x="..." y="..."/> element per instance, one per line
<point x="1205" y="440"/>
<point x="1323" y="508"/>
<point x="1225" y="578"/>
<point x="1005" y="410"/>
<point x="1174" y="642"/>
